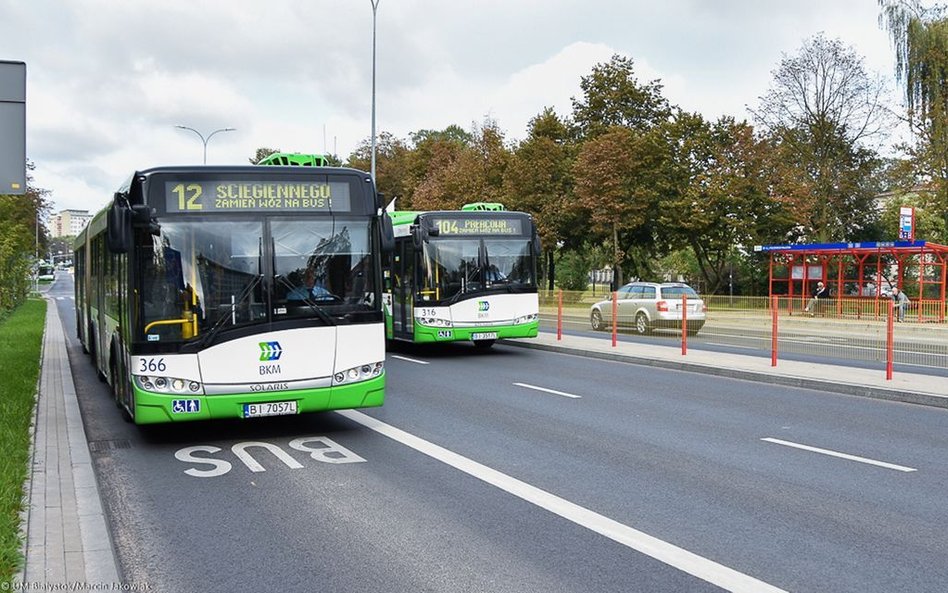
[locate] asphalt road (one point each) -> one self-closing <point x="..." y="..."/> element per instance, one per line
<point x="522" y="470"/>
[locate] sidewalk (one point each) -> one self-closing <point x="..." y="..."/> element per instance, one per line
<point x="905" y="387"/>
<point x="67" y="540"/>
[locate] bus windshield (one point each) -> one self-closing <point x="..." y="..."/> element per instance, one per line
<point x="199" y="275"/>
<point x="455" y="267"/>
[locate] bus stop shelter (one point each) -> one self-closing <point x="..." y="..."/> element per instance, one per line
<point x="858" y="274"/>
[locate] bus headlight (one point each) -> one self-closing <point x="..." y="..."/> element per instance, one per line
<point x="167" y="384"/>
<point x="360" y="373"/>
<point x="526" y="318"/>
<point x="435" y="321"/>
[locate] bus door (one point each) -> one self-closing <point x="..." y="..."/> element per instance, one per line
<point x="403" y="271"/>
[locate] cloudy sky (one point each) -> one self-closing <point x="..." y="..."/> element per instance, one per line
<point x="107" y="80"/>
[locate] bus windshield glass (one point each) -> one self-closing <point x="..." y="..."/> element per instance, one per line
<point x="452" y="268"/>
<point x="198" y="276"/>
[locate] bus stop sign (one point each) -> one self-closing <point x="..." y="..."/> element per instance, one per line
<point x="12" y="127"/>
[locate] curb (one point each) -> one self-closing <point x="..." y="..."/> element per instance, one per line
<point x="894" y="395"/>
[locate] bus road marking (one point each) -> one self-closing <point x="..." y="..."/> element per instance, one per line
<point x="544" y="389"/>
<point x="900" y="468"/>
<point x="409" y="359"/>
<point x="689" y="562"/>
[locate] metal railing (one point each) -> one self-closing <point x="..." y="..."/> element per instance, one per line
<point x="841" y="331"/>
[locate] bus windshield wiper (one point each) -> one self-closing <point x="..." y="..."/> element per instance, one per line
<point x="208" y="337"/>
<point x="308" y="301"/>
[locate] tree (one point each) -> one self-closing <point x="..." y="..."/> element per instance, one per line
<point x="538" y="181"/>
<point x="391" y="167"/>
<point x="464" y="174"/>
<point x="821" y="115"/>
<point x="612" y="96"/>
<point x="261" y="154"/>
<point x="718" y="200"/>
<point x="618" y="186"/>
<point x="920" y="39"/>
<point x="19" y="233"/>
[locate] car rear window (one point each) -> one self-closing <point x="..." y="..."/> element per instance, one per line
<point x="672" y="292"/>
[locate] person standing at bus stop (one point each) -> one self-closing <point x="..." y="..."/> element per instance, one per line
<point x="901" y="303"/>
<point x="821" y="292"/>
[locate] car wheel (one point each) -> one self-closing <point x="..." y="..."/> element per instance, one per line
<point x="641" y="324"/>
<point x="595" y="320"/>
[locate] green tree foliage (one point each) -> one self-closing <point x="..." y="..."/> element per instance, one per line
<point x="18" y="233"/>
<point x="460" y="174"/>
<point x="618" y="186"/>
<point x="261" y="154"/>
<point x="929" y="223"/>
<point x="539" y="181"/>
<point x="612" y="96"/>
<point x="719" y="199"/>
<point x="920" y="39"/>
<point x="820" y="114"/>
<point x="391" y="167"/>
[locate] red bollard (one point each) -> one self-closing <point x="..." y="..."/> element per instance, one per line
<point x="684" y="324"/>
<point x="774" y="306"/>
<point x="559" y="316"/>
<point x="615" y="318"/>
<point x="890" y="341"/>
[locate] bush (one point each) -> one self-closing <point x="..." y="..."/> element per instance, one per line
<point x="572" y="273"/>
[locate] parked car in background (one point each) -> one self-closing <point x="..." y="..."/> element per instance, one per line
<point x="651" y="305"/>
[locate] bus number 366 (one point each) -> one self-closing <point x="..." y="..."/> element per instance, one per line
<point x="152" y="365"/>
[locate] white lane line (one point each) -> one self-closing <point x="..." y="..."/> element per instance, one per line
<point x="730" y="345"/>
<point x="900" y="468"/>
<point x="409" y="359"/>
<point x="689" y="562"/>
<point x="544" y="389"/>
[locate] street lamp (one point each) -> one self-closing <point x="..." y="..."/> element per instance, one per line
<point x="209" y="136"/>
<point x="375" y="6"/>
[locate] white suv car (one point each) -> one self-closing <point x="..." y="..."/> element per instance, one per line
<point x="650" y="305"/>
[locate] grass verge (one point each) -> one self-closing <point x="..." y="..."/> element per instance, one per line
<point x="21" y="337"/>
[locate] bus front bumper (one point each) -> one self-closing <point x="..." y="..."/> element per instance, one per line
<point x="155" y="408"/>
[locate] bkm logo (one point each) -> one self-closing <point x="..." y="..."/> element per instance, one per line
<point x="270" y="351"/>
<point x="483" y="305"/>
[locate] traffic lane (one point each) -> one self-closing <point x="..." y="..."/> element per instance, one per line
<point x="387" y="518"/>
<point x="416" y="524"/>
<point x="679" y="455"/>
<point x="672" y="404"/>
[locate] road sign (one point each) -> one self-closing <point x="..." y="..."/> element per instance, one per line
<point x="12" y="127"/>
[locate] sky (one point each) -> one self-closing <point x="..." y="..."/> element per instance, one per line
<point x="108" y="80"/>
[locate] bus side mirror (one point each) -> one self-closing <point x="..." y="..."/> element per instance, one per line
<point x="537" y="248"/>
<point x="388" y="234"/>
<point x="417" y="236"/>
<point x="144" y="217"/>
<point x="119" y="228"/>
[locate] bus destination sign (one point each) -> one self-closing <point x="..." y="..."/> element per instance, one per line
<point x="478" y="226"/>
<point x="256" y="196"/>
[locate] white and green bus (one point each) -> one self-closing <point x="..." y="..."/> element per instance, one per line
<point x="236" y="292"/>
<point x="462" y="275"/>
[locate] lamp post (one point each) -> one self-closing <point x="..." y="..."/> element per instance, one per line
<point x="375" y="6"/>
<point x="204" y="140"/>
